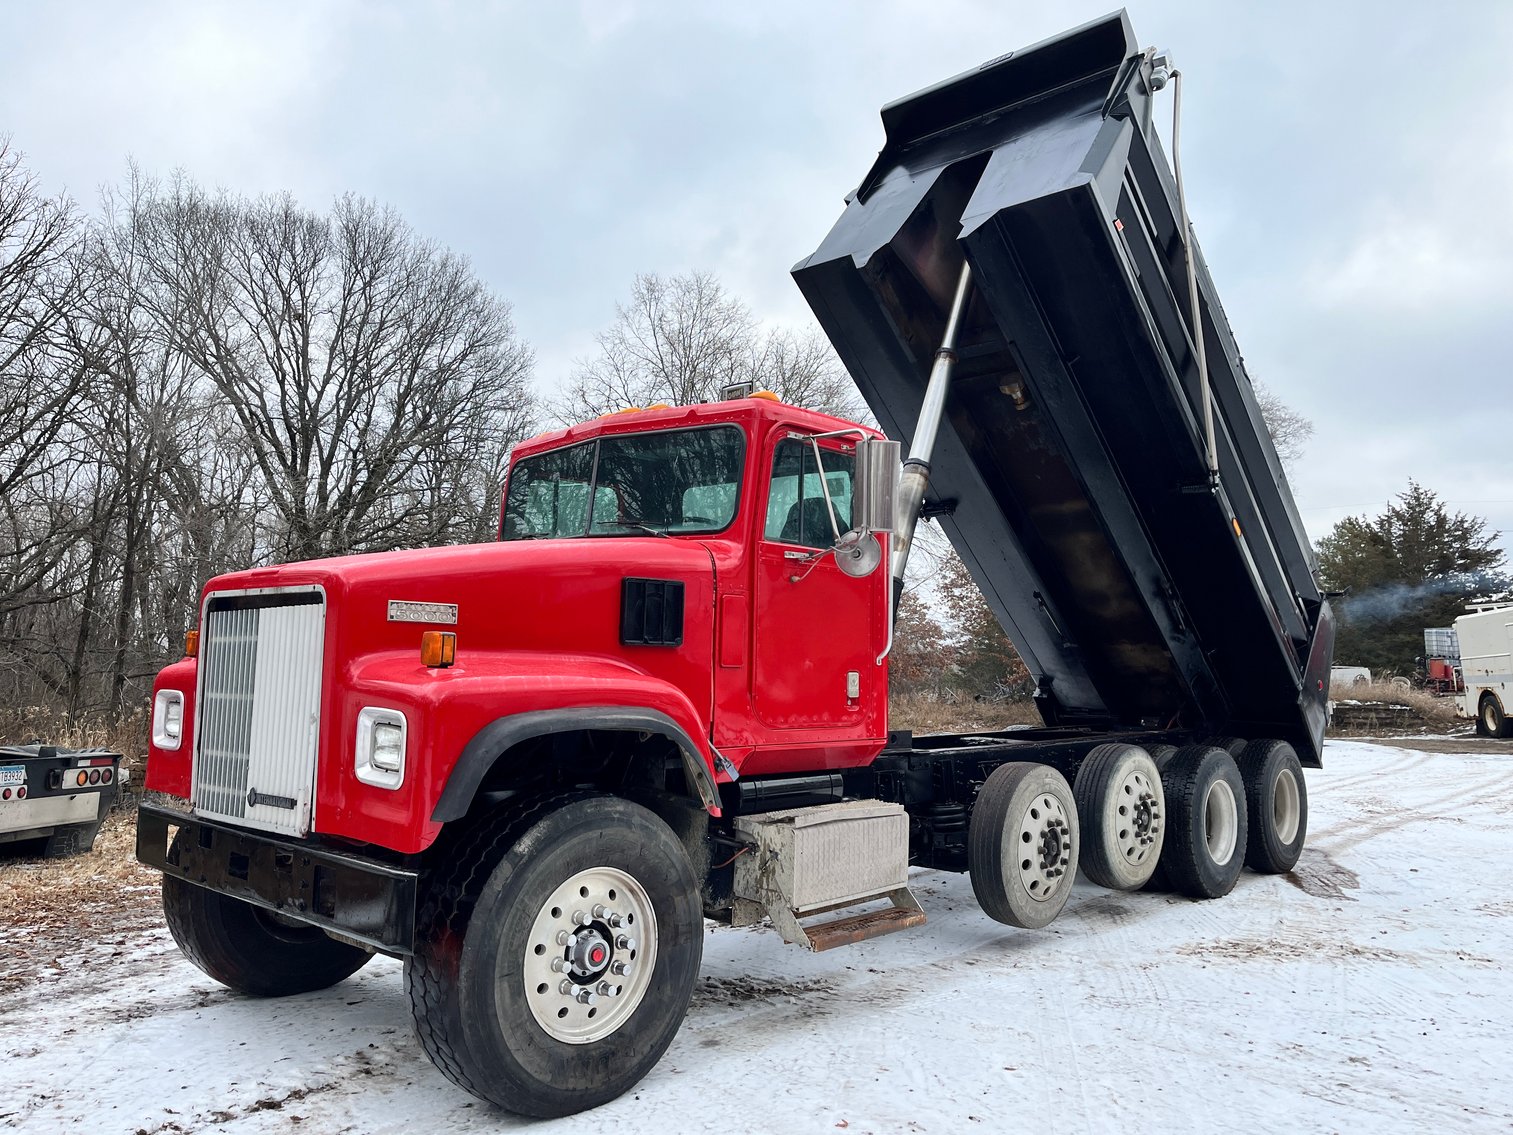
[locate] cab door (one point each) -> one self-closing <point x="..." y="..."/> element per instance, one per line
<point x="818" y="631"/>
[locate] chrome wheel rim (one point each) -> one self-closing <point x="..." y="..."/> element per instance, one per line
<point x="590" y="955"/>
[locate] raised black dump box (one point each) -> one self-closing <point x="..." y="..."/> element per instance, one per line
<point x="1071" y="470"/>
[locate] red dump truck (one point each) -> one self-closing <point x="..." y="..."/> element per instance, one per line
<point x="531" y="769"/>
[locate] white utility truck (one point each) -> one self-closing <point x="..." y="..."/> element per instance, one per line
<point x="1486" y="659"/>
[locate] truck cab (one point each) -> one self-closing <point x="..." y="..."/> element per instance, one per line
<point x="670" y="571"/>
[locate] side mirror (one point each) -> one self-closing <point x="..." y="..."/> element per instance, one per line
<point x="874" y="496"/>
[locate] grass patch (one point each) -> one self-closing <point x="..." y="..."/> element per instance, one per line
<point x="1388" y="708"/>
<point x="925" y="714"/>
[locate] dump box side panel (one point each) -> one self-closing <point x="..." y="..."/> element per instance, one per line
<point x="1071" y="471"/>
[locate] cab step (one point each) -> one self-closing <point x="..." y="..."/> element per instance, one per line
<point x="807" y="862"/>
<point x="869" y="924"/>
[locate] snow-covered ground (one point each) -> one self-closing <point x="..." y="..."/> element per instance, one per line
<point x="1372" y="990"/>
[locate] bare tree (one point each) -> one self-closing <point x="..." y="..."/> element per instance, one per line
<point x="41" y="378"/>
<point x="680" y="339"/>
<point x="197" y="383"/>
<point x="369" y="371"/>
<point x="1289" y="429"/>
<point x="802" y="368"/>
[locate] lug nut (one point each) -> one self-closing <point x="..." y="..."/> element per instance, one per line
<point x="600" y="910"/>
<point x="580" y="918"/>
<point x="605" y="989"/>
<point x="559" y="965"/>
<point x="563" y="937"/>
<point x="620" y="968"/>
<point x="624" y="942"/>
<point x="616" y="921"/>
<point x="585" y="996"/>
<point x="565" y="988"/>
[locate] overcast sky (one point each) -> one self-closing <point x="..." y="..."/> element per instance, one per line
<point x="1350" y="166"/>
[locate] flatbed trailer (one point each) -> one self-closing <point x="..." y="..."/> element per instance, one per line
<point x="531" y="769"/>
<point x="53" y="799"/>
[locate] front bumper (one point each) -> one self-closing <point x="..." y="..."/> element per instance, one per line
<point x="356" y="897"/>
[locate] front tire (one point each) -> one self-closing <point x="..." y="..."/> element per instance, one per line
<point x="252" y="950"/>
<point x="557" y="955"/>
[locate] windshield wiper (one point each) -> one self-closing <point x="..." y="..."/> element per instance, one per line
<point x="643" y="527"/>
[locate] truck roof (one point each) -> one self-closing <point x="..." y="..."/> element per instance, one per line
<point x="758" y="407"/>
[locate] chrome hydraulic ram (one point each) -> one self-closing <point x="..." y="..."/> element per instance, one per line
<point x="915" y="479"/>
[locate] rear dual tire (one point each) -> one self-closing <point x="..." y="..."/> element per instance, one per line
<point x="1207" y="829"/>
<point x="1277" y="799"/>
<point x="1122" y="810"/>
<point x="1490" y="719"/>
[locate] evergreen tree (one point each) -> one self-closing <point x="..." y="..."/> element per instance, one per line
<point x="1414" y="566"/>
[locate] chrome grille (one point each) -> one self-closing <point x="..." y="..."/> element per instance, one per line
<point x="258" y="709"/>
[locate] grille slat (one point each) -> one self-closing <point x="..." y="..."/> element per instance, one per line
<point x="259" y="710"/>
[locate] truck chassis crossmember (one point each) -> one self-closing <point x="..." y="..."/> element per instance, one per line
<point x="357" y="898"/>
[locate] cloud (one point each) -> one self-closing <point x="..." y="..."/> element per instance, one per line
<point x="1419" y="265"/>
<point x="1349" y="184"/>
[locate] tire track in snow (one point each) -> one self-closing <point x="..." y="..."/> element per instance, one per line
<point x="1346" y="836"/>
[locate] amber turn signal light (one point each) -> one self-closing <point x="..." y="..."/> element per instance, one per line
<point x="438" y="649"/>
<point x="191" y="644"/>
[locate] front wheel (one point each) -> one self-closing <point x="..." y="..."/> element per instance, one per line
<point x="252" y="950"/>
<point x="557" y="955"/>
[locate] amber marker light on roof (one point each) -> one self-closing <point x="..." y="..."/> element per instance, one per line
<point x="438" y="649"/>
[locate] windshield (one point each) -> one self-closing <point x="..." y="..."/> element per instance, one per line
<point x="669" y="482"/>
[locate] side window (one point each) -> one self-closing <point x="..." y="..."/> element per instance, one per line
<point x="796" y="509"/>
<point x="548" y="495"/>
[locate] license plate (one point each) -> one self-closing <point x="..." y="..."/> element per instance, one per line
<point x="12" y="774"/>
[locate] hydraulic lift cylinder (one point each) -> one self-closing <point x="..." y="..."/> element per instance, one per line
<point x="915" y="479"/>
